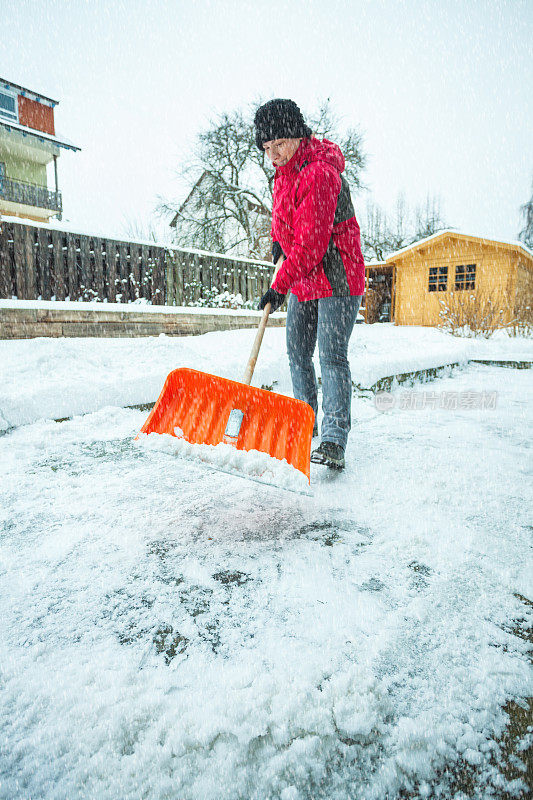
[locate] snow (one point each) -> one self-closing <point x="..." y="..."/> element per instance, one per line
<point x="137" y="307"/>
<point x="251" y="463"/>
<point x="56" y="378"/>
<point x="172" y="631"/>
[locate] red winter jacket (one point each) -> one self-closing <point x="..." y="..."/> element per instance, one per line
<point x="313" y="221"/>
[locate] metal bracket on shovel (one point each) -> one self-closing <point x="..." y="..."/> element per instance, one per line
<point x="233" y="428"/>
<point x="231" y="434"/>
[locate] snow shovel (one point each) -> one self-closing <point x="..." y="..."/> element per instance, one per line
<point x="207" y="409"/>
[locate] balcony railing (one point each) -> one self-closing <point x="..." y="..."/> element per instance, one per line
<point x="29" y="194"/>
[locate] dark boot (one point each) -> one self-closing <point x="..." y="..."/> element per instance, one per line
<point x="330" y="454"/>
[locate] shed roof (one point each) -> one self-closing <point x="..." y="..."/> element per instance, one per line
<point x="514" y="245"/>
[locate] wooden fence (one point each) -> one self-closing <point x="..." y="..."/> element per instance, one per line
<point x="44" y="263"/>
<point x="195" y="278"/>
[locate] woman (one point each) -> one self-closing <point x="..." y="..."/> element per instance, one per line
<point x="314" y="227"/>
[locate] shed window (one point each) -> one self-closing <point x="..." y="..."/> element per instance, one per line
<point x="465" y="276"/>
<point x="8" y="106"/>
<point x="438" y="279"/>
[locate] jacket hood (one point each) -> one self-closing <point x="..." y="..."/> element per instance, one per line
<point x="315" y="150"/>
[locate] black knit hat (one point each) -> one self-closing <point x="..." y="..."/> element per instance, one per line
<point x="279" y="119"/>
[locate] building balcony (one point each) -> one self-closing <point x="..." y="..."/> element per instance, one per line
<point x="30" y="194"/>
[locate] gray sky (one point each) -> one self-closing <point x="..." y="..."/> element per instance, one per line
<point x="441" y="91"/>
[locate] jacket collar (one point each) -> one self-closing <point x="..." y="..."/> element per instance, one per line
<point x="297" y="161"/>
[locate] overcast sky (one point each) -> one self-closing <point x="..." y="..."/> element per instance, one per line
<point x="440" y="90"/>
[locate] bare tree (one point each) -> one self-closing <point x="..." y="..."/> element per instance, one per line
<point x="139" y="230"/>
<point x="526" y="234"/>
<point x="397" y="227"/>
<point x="382" y="235"/>
<point x="229" y="190"/>
<point x="326" y="124"/>
<point x="229" y="205"/>
<point x="374" y="233"/>
<point x="428" y="219"/>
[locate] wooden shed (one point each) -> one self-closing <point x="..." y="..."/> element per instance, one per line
<point x="417" y="278"/>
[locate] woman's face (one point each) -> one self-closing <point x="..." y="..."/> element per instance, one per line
<point x="280" y="151"/>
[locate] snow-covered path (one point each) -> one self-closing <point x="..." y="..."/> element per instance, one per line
<point x="173" y="632"/>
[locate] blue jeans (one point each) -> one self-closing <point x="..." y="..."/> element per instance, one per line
<point x="331" y="320"/>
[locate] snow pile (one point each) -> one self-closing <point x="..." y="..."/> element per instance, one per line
<point x="502" y="345"/>
<point x="141" y="305"/>
<point x="250" y="463"/>
<point x="393" y="350"/>
<point x="214" y="299"/>
<point x="56" y="378"/>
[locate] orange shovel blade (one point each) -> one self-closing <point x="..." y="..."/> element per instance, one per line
<point x="200" y="404"/>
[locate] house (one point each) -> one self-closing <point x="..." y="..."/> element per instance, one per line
<point x="191" y="215"/>
<point x="28" y="143"/>
<point x="407" y="287"/>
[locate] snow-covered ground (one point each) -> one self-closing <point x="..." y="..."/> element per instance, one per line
<point x="170" y="631"/>
<point x="55" y="378"/>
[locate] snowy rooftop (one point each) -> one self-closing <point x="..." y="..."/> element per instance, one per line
<point x="24" y="90"/>
<point x="44" y="137"/>
<point x="453" y="232"/>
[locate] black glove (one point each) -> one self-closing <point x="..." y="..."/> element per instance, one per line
<point x="274" y="298"/>
<point x="276" y="252"/>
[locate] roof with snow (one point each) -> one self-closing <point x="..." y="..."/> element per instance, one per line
<point x="25" y="92"/>
<point x="466" y="236"/>
<point x="41" y="135"/>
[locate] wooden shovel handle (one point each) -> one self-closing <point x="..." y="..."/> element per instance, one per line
<point x="250" y="366"/>
<point x="248" y="373"/>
